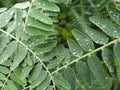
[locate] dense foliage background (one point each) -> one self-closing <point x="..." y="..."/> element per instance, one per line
<point x="60" y="45"/>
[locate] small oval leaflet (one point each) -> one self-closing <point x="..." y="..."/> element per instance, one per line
<point x="23" y="5"/>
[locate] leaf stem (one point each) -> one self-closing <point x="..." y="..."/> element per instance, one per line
<point x="86" y="55"/>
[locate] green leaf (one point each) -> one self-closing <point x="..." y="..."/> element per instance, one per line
<point x="44" y="84"/>
<point x="8" y="51"/>
<point x="38" y="15"/>
<point x="97" y="70"/>
<point x="108" y="59"/>
<point x="109" y="84"/>
<point x="43" y="48"/>
<point x="11" y="85"/>
<point x="3" y="42"/>
<point x="70" y="76"/>
<point x="42" y="76"/>
<point x="35" y="31"/>
<point x="35" y="72"/>
<point x="28" y="60"/>
<point x="37" y="24"/>
<point x="15" y="76"/>
<point x="25" y="71"/>
<point x="61" y="82"/>
<point x="2" y="9"/>
<point x="4" y="70"/>
<point x="19" y="57"/>
<point x="83" y="73"/>
<point x="50" y="88"/>
<point x="46" y="5"/>
<point x="107" y="26"/>
<point x="96" y="36"/>
<point x="36" y="40"/>
<point x="114" y="14"/>
<point x="55" y="62"/>
<point x="6" y="16"/>
<point x="1" y="84"/>
<point x="22" y="5"/>
<point x="97" y="2"/>
<point x="2" y="77"/>
<point x="19" y="23"/>
<point x="75" y="49"/>
<point x="116" y="51"/>
<point x="11" y="26"/>
<point x="6" y="87"/>
<point x="83" y="40"/>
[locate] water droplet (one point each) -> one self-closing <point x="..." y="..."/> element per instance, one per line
<point x="30" y="45"/>
<point x="44" y="4"/>
<point x="37" y="40"/>
<point x="114" y="15"/>
<point x="7" y="20"/>
<point x="110" y="12"/>
<point x="91" y="33"/>
<point x="41" y="52"/>
<point x="87" y="41"/>
<point x="39" y="4"/>
<point x="98" y="5"/>
<point x="11" y="13"/>
<point x="77" y="39"/>
<point x="14" y="23"/>
<point x="18" y="24"/>
<point x="98" y="23"/>
<point x="116" y="33"/>
<point x="28" y="24"/>
<point x="104" y="26"/>
<point x="74" y="53"/>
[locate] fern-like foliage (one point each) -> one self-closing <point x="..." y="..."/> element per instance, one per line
<point x="33" y="56"/>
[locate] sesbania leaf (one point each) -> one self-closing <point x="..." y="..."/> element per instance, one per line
<point x="22" y="5"/>
<point x="116" y="51"/>
<point x="96" y="36"/>
<point x="83" y="40"/>
<point x="35" y="72"/>
<point x="97" y="70"/>
<point x="2" y="77"/>
<point x="61" y="82"/>
<point x="37" y="24"/>
<point x="3" y="42"/>
<point x="46" y="47"/>
<point x="114" y="14"/>
<point x="97" y="2"/>
<point x="6" y="16"/>
<point x="15" y="76"/>
<point x="42" y="76"/>
<point x="19" y="56"/>
<point x="1" y="84"/>
<point x="108" y="59"/>
<point x="8" y="51"/>
<point x="111" y="29"/>
<point x="44" y="84"/>
<point x="11" y="85"/>
<point x="70" y="76"/>
<point x="2" y="9"/>
<point x="25" y="71"/>
<point x="38" y="15"/>
<point x="55" y="62"/>
<point x="83" y="73"/>
<point x="4" y="70"/>
<point x="36" y="32"/>
<point x="75" y="48"/>
<point x="47" y="5"/>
